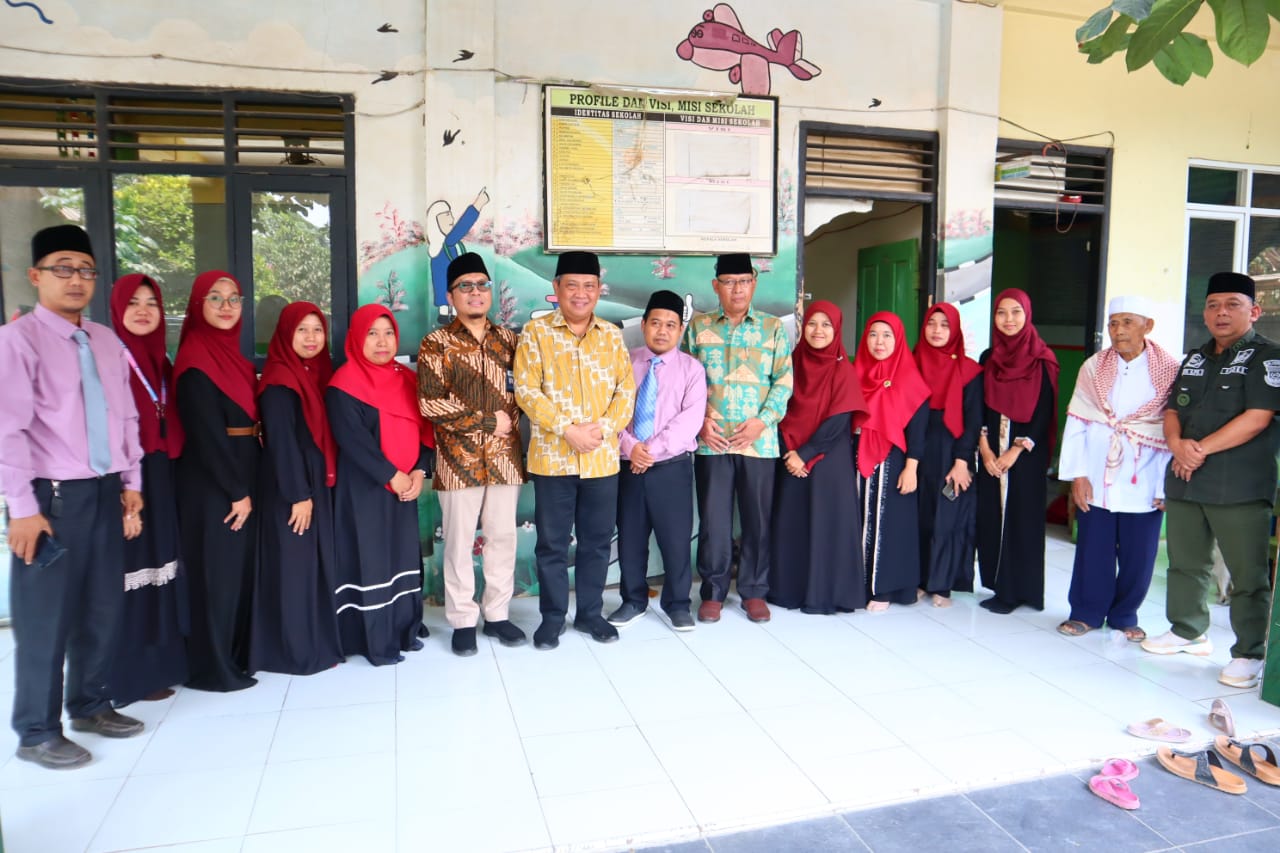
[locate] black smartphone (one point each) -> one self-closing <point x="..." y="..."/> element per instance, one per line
<point x="48" y="551"/>
<point x="949" y="490"/>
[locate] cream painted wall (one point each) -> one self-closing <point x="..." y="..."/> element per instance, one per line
<point x="1231" y="116"/>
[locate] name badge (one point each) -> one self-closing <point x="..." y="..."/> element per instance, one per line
<point x="511" y="381"/>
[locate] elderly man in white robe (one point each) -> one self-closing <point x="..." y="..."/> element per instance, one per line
<point x="1114" y="455"/>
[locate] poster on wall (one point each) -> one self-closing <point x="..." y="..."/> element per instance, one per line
<point x="630" y="171"/>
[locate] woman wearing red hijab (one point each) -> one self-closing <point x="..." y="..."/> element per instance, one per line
<point x="1020" y="386"/>
<point x="294" y="629"/>
<point x="889" y="443"/>
<point x="218" y="473"/>
<point x="384" y="456"/>
<point x="947" y="501"/>
<point x="152" y="654"/>
<point x="815" y="564"/>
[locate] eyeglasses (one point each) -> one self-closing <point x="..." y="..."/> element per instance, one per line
<point x="64" y="271"/>
<point x="470" y="286"/>
<point x="216" y="300"/>
<point x="736" y="283"/>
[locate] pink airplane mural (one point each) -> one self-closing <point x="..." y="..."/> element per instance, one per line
<point x="718" y="43"/>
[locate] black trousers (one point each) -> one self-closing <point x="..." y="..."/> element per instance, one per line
<point x="587" y="507"/>
<point x="659" y="501"/>
<point x="720" y="480"/>
<point x="68" y="611"/>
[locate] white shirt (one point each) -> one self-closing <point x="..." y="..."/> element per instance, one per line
<point x="1085" y="445"/>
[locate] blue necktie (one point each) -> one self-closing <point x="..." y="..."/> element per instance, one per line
<point x="647" y="402"/>
<point x="95" y="406"/>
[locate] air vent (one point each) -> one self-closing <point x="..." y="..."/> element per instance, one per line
<point x="47" y="127"/>
<point x="1053" y="175"/>
<point x="869" y="165"/>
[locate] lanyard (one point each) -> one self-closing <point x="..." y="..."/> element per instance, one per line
<point x="159" y="402"/>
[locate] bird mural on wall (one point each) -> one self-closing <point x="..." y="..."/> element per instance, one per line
<point x="464" y="55"/>
<point x="387" y="28"/>
<point x="385" y="76"/>
<point x="450" y="135"/>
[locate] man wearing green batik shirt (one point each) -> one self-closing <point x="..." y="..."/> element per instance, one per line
<point x="1222" y="428"/>
<point x="748" y="364"/>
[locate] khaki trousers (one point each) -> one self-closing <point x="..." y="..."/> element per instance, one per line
<point x="495" y="508"/>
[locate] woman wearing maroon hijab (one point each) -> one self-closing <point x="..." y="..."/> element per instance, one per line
<point x="815" y="564"/>
<point x="384" y="456"/>
<point x="152" y="654"/>
<point x="1020" y="386"/>
<point x="294" y="628"/>
<point x="948" y="503"/>
<point x="888" y="447"/>
<point x="218" y="475"/>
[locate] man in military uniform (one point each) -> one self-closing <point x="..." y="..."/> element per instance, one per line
<point x="1222" y="428"/>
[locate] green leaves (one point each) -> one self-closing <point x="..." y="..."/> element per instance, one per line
<point x="1241" y="28"/>
<point x="1116" y="38"/>
<point x="1093" y="27"/>
<point x="1167" y="20"/>
<point x="1186" y="55"/>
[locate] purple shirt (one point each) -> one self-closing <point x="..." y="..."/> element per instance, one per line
<point x="681" y="406"/>
<point x="42" y="424"/>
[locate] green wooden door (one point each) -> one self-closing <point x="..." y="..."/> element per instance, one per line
<point x="889" y="280"/>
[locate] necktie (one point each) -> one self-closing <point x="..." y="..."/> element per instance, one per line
<point x="95" y="406"/>
<point x="647" y="401"/>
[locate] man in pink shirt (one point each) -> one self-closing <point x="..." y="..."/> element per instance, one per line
<point x="655" y="486"/>
<point x="70" y="473"/>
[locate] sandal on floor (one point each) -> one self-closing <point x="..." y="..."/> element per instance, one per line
<point x="1119" y="768"/>
<point x="1115" y="791"/>
<point x="1158" y="729"/>
<point x="1073" y="628"/>
<point x="1203" y="767"/>
<point x="1220" y="718"/>
<point x="877" y="606"/>
<point x="1242" y="755"/>
<point x="1134" y="634"/>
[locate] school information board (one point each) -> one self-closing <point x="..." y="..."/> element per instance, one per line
<point x="629" y="171"/>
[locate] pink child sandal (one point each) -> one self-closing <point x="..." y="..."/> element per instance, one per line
<point x="1121" y="769"/>
<point x="1114" y="791"/>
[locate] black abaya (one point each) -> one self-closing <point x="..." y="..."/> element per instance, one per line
<point x="890" y="528"/>
<point x="378" y="596"/>
<point x="815" y="563"/>
<point x="152" y="653"/>
<point x="216" y="470"/>
<point x="948" y="528"/>
<point x="294" y="628"/>
<point x="1011" y="527"/>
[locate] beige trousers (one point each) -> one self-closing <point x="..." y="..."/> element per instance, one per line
<point x="495" y="508"/>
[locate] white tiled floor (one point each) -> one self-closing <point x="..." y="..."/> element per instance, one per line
<point x="660" y="736"/>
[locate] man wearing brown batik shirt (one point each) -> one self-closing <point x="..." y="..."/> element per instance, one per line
<point x="465" y="388"/>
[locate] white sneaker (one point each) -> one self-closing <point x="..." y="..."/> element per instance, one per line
<point x="1241" y="672"/>
<point x="1170" y="643"/>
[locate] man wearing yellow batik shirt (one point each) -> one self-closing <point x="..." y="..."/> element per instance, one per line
<point x="574" y="381"/>
<point x="748" y="363"/>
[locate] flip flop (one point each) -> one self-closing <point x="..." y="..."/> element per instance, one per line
<point x="1158" y="729"/>
<point x="1073" y="628"/>
<point x="1114" y="791"/>
<point x="1203" y="767"/>
<point x="1220" y="718"/>
<point x="1242" y="756"/>
<point x="1119" y="768"/>
<point x="1134" y="634"/>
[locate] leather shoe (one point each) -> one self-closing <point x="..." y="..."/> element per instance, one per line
<point x="681" y="620"/>
<point x="506" y="631"/>
<point x="464" y="642"/>
<point x="757" y="610"/>
<point x="109" y="723"/>
<point x="58" y="753"/>
<point x="709" y="611"/>
<point x="548" y="635"/>
<point x="599" y="629"/>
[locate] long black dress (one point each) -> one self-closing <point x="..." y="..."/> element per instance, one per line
<point x="948" y="529"/>
<point x="379" y="554"/>
<point x="1011" y="508"/>
<point x="215" y="470"/>
<point x="294" y="627"/>
<point x="815" y="561"/>
<point x="890" y="520"/>
<point x="152" y="652"/>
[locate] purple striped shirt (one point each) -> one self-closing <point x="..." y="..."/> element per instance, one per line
<point x="681" y="406"/>
<point x="42" y="423"/>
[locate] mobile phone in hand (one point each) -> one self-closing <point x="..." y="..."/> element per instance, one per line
<point x="48" y="551"/>
<point x="949" y="490"/>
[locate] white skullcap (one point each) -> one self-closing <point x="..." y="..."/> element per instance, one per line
<point x="1139" y="305"/>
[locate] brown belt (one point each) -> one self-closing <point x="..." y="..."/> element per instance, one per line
<point x="254" y="430"/>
